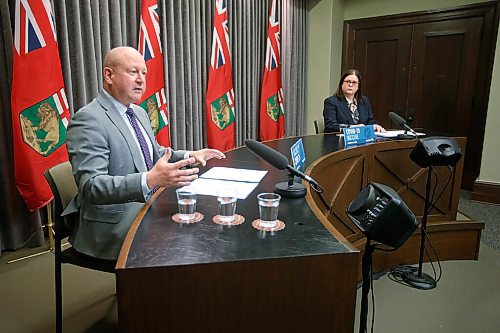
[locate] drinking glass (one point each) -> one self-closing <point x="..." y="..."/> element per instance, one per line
<point x="268" y="209"/>
<point x="227" y="204"/>
<point x="186" y="200"/>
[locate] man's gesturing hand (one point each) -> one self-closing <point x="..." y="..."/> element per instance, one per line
<point x="203" y="155"/>
<point x="164" y="174"/>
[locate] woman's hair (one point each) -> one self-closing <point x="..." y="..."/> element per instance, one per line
<point x="359" y="94"/>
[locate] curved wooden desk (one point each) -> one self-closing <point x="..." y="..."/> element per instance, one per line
<point x="204" y="277"/>
<point x="344" y="173"/>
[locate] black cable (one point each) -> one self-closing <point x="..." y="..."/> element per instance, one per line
<point x="433" y="204"/>
<point x="397" y="273"/>
<point x="436" y="276"/>
<point x="373" y="294"/>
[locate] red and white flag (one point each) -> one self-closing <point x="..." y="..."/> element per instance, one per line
<point x="220" y="94"/>
<point x="154" y="100"/>
<point x="272" y="118"/>
<point x="40" y="112"/>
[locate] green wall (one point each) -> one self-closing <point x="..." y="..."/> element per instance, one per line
<point x="324" y="46"/>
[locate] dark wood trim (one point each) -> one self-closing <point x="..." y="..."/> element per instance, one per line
<point x="473" y="10"/>
<point x="489" y="10"/>
<point x="122" y="258"/>
<point x="490" y="13"/>
<point x="486" y="192"/>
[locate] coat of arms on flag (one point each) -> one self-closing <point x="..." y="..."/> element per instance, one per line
<point x="222" y="110"/>
<point x="275" y="105"/>
<point x="43" y="125"/>
<point x="156" y="107"/>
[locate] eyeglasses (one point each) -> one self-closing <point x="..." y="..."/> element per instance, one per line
<point x="349" y="82"/>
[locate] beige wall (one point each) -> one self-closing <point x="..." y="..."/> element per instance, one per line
<point x="490" y="162"/>
<point x="325" y="24"/>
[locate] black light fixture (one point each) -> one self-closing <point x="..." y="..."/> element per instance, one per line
<point x="382" y="216"/>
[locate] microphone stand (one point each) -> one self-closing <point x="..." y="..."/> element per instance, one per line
<point x="406" y="136"/>
<point x="422" y="280"/>
<point x="290" y="189"/>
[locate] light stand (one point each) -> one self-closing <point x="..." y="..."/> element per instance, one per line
<point x="420" y="279"/>
<point x="290" y="189"/>
<point x="366" y="266"/>
<point x="383" y="217"/>
<point x="429" y="152"/>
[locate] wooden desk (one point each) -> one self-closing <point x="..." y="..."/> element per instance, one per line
<point x="204" y="277"/>
<point x="345" y="172"/>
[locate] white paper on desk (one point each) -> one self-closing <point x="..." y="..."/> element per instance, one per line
<point x="393" y="134"/>
<point x="241" y="175"/>
<point x="207" y="186"/>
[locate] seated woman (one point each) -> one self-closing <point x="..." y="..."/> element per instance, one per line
<point x="348" y="107"/>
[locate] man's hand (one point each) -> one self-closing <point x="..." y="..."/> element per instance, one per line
<point x="165" y="174"/>
<point x="203" y="155"/>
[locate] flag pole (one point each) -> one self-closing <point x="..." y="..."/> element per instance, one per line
<point x="50" y="226"/>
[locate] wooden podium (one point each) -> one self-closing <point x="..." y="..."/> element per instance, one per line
<point x="344" y="173"/>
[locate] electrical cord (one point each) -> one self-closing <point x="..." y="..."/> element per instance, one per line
<point x="396" y="274"/>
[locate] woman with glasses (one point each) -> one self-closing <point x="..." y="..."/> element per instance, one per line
<point x="348" y="107"/>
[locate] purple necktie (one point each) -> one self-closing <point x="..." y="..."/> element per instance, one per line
<point x="142" y="141"/>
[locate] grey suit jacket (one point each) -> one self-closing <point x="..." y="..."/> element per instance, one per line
<point x="107" y="165"/>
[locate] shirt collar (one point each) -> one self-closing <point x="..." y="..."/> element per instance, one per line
<point x="119" y="106"/>
<point x="353" y="101"/>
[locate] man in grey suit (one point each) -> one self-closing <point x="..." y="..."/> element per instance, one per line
<point x="116" y="160"/>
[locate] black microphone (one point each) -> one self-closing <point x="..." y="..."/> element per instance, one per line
<point x="279" y="161"/>
<point x="398" y="120"/>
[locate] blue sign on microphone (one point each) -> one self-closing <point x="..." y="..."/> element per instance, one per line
<point x="359" y="135"/>
<point x="298" y="155"/>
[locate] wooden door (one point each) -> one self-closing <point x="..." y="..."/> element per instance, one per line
<point x="443" y="79"/>
<point x="433" y="68"/>
<point x="383" y="56"/>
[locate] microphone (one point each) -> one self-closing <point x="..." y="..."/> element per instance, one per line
<point x="280" y="161"/>
<point x="398" y="120"/>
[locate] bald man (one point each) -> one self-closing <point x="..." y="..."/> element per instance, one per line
<point x="116" y="160"/>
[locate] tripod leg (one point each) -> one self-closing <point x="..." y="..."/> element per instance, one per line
<point x="365" y="268"/>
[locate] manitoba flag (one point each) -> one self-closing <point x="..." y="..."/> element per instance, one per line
<point x="40" y="111"/>
<point x="154" y="99"/>
<point x="272" y="119"/>
<point x="220" y="94"/>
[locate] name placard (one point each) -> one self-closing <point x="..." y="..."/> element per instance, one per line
<point x="298" y="155"/>
<point x="359" y="135"/>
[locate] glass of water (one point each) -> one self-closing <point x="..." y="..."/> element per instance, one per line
<point x="227" y="204"/>
<point x="268" y="209"/>
<point x="186" y="200"/>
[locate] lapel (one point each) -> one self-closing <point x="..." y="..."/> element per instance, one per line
<point x="116" y="118"/>
<point x="345" y="109"/>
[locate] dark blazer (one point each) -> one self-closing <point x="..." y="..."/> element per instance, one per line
<point x="336" y="112"/>
<point x="107" y="165"/>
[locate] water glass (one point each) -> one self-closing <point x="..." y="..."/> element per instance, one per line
<point x="268" y="209"/>
<point x="186" y="200"/>
<point x="227" y="204"/>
